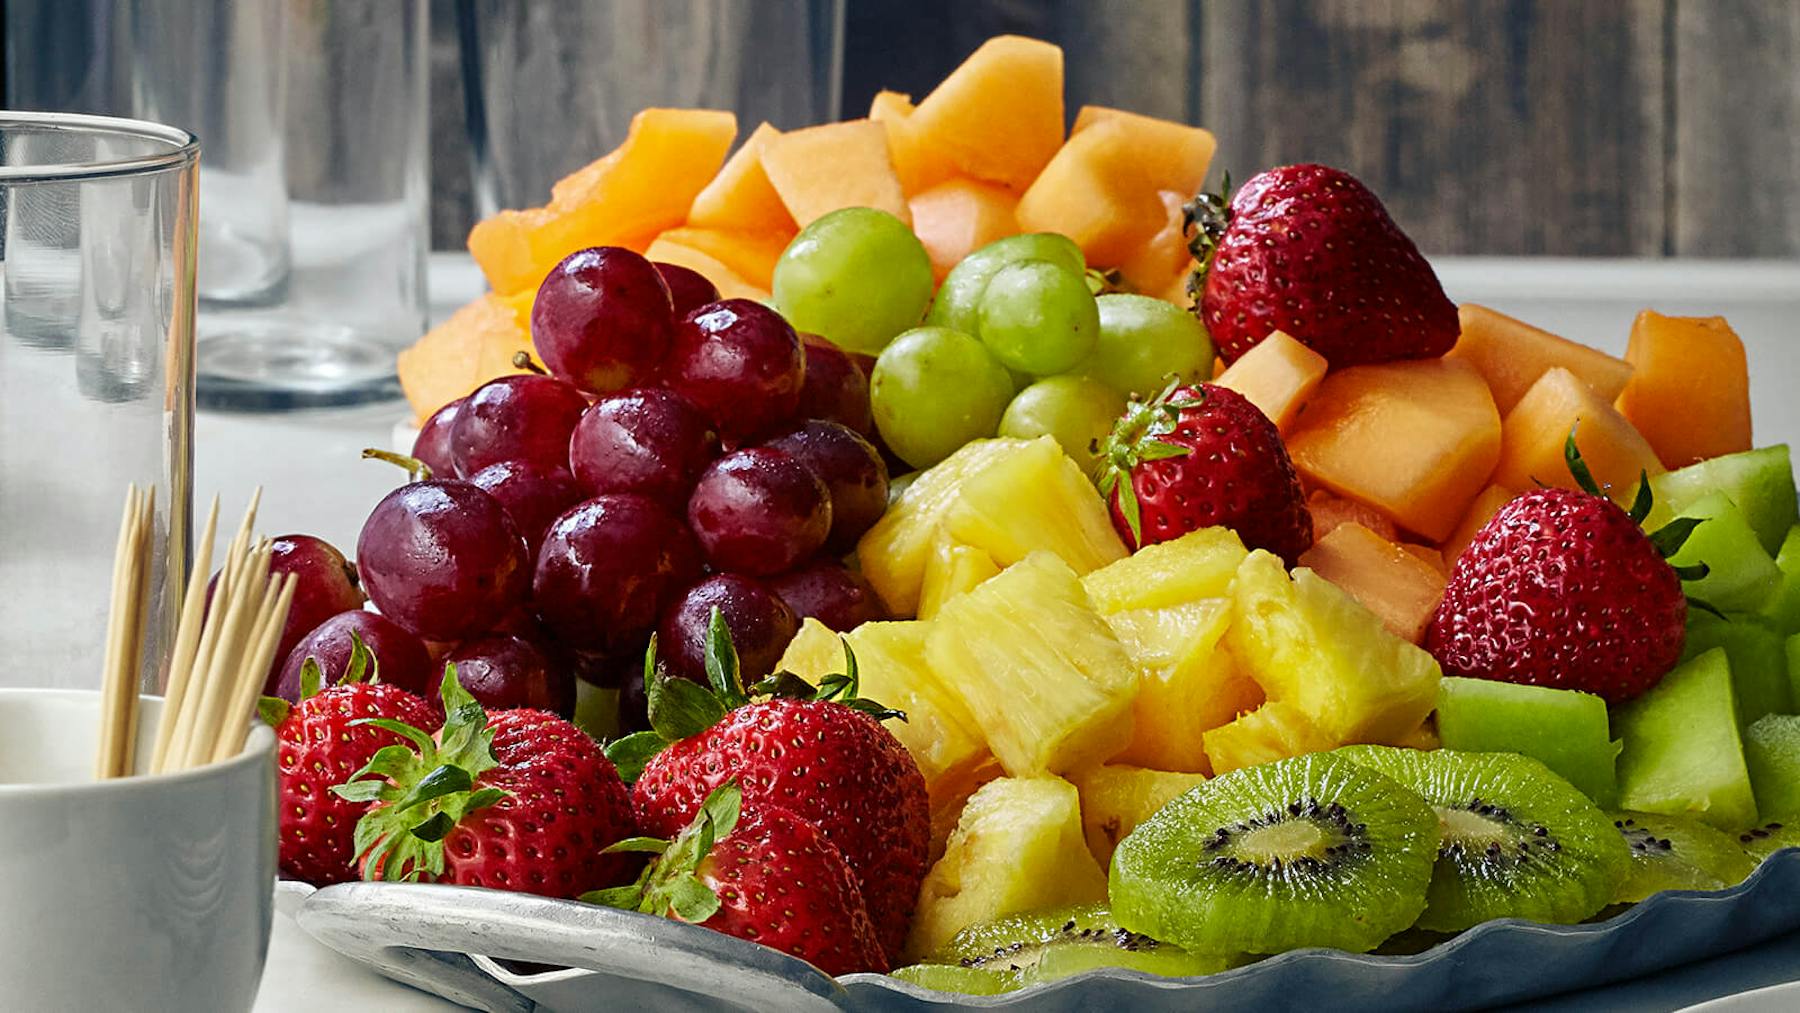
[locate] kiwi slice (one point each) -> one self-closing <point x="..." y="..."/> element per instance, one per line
<point x="1053" y="944"/>
<point x="1677" y="853"/>
<point x="1309" y="851"/>
<point x="1761" y="842"/>
<point x="1517" y="841"/>
<point x="956" y="978"/>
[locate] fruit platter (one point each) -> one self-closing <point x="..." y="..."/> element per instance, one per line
<point x="955" y="557"/>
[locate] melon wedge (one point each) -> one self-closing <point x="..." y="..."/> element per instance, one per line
<point x="626" y="198"/>
<point x="1415" y="440"/>
<point x="1512" y="354"/>
<point x="731" y="285"/>
<point x="750" y="255"/>
<point x="998" y="116"/>
<point x="838" y="165"/>
<point x="919" y="166"/>
<point x="475" y="345"/>
<point x="958" y="217"/>
<point x="1690" y="395"/>
<point x="1400" y="587"/>
<point x="1160" y="266"/>
<point x="1277" y="376"/>
<point x="1479" y="513"/>
<point x="740" y="197"/>
<point x="1539" y="425"/>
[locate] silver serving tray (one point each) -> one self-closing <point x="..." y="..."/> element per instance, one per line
<point x="467" y="945"/>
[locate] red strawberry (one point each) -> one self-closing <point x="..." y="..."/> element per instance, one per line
<point x="319" y="745"/>
<point x="820" y="754"/>
<point x="771" y="877"/>
<point x="1562" y="588"/>
<point x="1202" y="456"/>
<point x="522" y="801"/>
<point x="1307" y="249"/>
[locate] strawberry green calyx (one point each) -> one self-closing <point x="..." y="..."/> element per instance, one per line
<point x="680" y="709"/>
<point x="363" y="666"/>
<point x="1667" y="539"/>
<point x="669" y="884"/>
<point x="1136" y="439"/>
<point x="427" y="788"/>
<point x="1203" y="222"/>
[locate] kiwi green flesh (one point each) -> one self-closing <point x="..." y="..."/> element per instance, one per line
<point x="1310" y="851"/>
<point x="1053" y="944"/>
<point x="1517" y="841"/>
<point x="955" y="978"/>
<point x="1676" y="853"/>
<point x="1762" y="841"/>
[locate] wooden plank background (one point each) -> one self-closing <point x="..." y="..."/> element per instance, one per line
<point x="1505" y="127"/>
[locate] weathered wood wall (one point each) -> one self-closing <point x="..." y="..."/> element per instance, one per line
<point x="1561" y="127"/>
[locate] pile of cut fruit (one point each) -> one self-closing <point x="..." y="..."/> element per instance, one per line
<point x="938" y="604"/>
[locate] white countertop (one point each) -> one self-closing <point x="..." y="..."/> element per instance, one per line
<point x="315" y="482"/>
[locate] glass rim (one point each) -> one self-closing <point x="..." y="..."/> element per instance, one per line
<point x="183" y="147"/>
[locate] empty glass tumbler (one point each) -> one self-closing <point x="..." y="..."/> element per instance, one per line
<point x="549" y="87"/>
<point x="97" y="247"/>
<point x="315" y="186"/>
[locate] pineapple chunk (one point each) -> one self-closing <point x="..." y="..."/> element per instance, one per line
<point x="893" y="552"/>
<point x="1274" y="731"/>
<point x="1199" y="564"/>
<point x="1031" y="498"/>
<point x="1116" y="798"/>
<point x="1313" y="646"/>
<point x="1190" y="683"/>
<point x="1042" y="674"/>
<point x="951" y="569"/>
<point x="1018" y="847"/>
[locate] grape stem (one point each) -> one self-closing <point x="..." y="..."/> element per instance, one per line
<point x="523" y="360"/>
<point x="419" y="470"/>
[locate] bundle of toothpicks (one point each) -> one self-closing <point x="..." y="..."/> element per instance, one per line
<point x="222" y="651"/>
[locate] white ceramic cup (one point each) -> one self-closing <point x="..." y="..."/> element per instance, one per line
<point x="143" y="893"/>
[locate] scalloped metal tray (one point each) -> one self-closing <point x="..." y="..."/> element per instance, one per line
<point x="475" y="947"/>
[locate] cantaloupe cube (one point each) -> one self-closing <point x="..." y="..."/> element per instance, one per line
<point x="919" y="166"/>
<point x="1277" y="376"/>
<point x="1512" y="354"/>
<point x="1690" y="395"/>
<point x="1161" y="264"/>
<point x="740" y="196"/>
<point x="1416" y="440"/>
<point x="750" y="255"/>
<point x="473" y="346"/>
<point x="731" y="285"/>
<point x="958" y="217"/>
<point x="1479" y="513"/>
<point x="1398" y="586"/>
<point x="838" y="165"/>
<point x="1538" y="426"/>
<point x="999" y="116"/>
<point x="626" y="198"/>
<point x="1170" y="156"/>
<point x="1329" y="511"/>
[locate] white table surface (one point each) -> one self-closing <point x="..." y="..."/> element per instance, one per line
<point x="314" y="482"/>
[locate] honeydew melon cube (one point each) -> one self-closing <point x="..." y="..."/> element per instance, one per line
<point x="1740" y="574"/>
<point x="1565" y="730"/>
<point x="1772" y="751"/>
<point x="1683" y="755"/>
<point x="1782" y="608"/>
<point x="1758" y="656"/>
<point x="1760" y="482"/>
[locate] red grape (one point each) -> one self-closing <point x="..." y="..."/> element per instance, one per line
<point x="688" y="288"/>
<point x="324" y="585"/>
<point x="759" y="511"/>
<point x="608" y="671"/>
<point x="506" y="672"/>
<point x="532" y="494"/>
<point x="634" y="703"/>
<point x="852" y="471"/>
<point x="432" y="445"/>
<point x="830" y="592"/>
<point x="646" y="441"/>
<point x="443" y="559"/>
<point x="602" y="319"/>
<point x="761" y="625"/>
<point x="609" y="567"/>
<point x="741" y="364"/>
<point x="400" y="658"/>
<point x="524" y="417"/>
<point x="835" y="388"/>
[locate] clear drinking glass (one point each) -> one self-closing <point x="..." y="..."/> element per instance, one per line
<point x="97" y="253"/>
<point x="549" y="87"/>
<point x="315" y="188"/>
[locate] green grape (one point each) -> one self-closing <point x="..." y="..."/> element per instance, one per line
<point x="1038" y="318"/>
<point x="1078" y="410"/>
<point x="934" y="389"/>
<point x="1144" y="341"/>
<point x="857" y="276"/>
<point x="959" y="298"/>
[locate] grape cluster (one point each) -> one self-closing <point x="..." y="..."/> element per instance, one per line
<point x="683" y="453"/>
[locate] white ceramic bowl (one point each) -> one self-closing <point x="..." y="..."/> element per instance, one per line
<point x="149" y="893"/>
